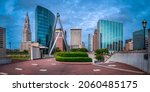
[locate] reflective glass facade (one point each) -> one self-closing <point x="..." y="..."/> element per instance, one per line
<point x="138" y="39"/>
<point x="110" y="35"/>
<point x="44" y="26"/>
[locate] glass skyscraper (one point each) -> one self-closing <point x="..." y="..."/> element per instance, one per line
<point x="138" y="39"/>
<point x="110" y="35"/>
<point x="44" y="26"/>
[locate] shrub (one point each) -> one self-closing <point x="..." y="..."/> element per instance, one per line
<point x="73" y="59"/>
<point x="58" y="49"/>
<point x="100" y="57"/>
<point x="25" y="52"/>
<point x="71" y="54"/>
<point x="17" y="52"/>
<point x="79" y="50"/>
<point x="101" y="51"/>
<point x="20" y="57"/>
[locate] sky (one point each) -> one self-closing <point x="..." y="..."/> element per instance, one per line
<point x="82" y="14"/>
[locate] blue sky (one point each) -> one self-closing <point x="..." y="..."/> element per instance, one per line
<point x="74" y="14"/>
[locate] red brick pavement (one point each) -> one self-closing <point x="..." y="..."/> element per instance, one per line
<point x="52" y="67"/>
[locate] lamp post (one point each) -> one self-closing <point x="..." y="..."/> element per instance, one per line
<point x="144" y="22"/>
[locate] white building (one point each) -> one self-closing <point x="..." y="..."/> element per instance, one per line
<point x="76" y="38"/>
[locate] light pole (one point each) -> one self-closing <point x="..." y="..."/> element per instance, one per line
<point x="144" y="22"/>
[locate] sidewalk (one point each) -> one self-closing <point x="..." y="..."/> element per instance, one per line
<point x="52" y="67"/>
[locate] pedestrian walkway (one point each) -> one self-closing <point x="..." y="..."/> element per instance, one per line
<point x="53" y="67"/>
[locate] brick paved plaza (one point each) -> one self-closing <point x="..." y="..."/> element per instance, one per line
<point x="52" y="67"/>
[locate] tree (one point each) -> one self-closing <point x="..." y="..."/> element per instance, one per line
<point x="102" y="51"/>
<point x="100" y="54"/>
<point x="99" y="57"/>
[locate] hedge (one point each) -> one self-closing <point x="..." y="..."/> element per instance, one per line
<point x="73" y="59"/>
<point x="71" y="54"/>
<point x="19" y="57"/>
<point x="79" y="50"/>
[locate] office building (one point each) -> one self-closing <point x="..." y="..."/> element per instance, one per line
<point x="90" y="42"/>
<point x="2" y="41"/>
<point x="83" y="45"/>
<point x="110" y="35"/>
<point x="76" y="38"/>
<point x="138" y="39"/>
<point x="44" y="26"/>
<point x="129" y="45"/>
<point x="60" y="40"/>
<point x="96" y="40"/>
<point x="25" y="45"/>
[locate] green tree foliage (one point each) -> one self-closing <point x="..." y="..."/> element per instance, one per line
<point x="100" y="54"/>
<point x="100" y="57"/>
<point x="102" y="51"/>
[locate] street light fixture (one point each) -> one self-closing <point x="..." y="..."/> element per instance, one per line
<point x="144" y="22"/>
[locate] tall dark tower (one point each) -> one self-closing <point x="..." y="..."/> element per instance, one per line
<point x="25" y="45"/>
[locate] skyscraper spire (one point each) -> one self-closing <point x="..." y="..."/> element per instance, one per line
<point x="27" y="20"/>
<point x="27" y="14"/>
<point x="26" y="30"/>
<point x="26" y="34"/>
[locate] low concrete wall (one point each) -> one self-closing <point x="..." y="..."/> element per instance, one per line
<point x="35" y="53"/>
<point x="135" y="59"/>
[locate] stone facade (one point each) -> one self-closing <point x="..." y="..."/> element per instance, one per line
<point x="96" y="40"/>
<point x="129" y="45"/>
<point x="76" y="38"/>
